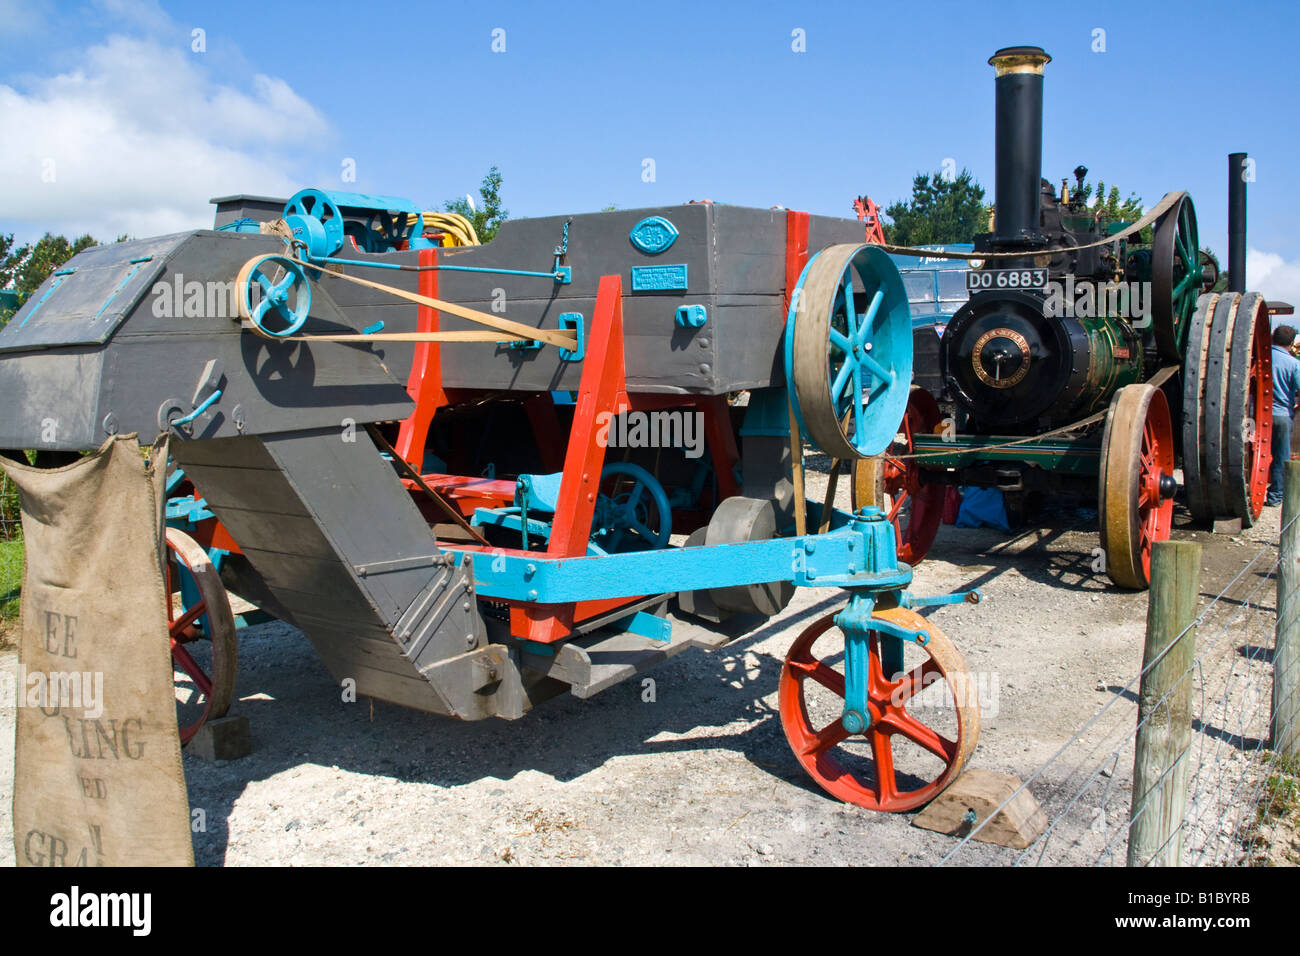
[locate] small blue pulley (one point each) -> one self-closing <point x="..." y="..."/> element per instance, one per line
<point x="273" y="294"/>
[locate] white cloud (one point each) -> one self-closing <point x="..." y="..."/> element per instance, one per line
<point x="139" y="138"/>
<point x="1272" y="275"/>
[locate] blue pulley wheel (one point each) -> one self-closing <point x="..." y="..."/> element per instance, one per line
<point x="315" y="204"/>
<point x="274" y="295"/>
<point x="848" y="350"/>
<point x="310" y="233"/>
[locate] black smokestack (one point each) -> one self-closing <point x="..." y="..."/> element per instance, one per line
<point x="1019" y="113"/>
<point x="1236" y="222"/>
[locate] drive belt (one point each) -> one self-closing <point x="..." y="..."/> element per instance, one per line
<point x="505" y="329"/>
<point x="1167" y="203"/>
<point x="1156" y="380"/>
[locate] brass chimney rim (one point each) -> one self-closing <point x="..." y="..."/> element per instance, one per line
<point x="1020" y="59"/>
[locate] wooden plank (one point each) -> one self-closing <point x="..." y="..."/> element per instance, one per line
<point x="352" y="654"/>
<point x="330" y="605"/>
<point x="225" y="453"/>
<point x="249" y="489"/>
<point x="299" y="573"/>
<point x="289" y="533"/>
<point x="415" y="693"/>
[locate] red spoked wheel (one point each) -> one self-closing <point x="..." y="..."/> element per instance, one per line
<point x="201" y="629"/>
<point x="901" y="761"/>
<point x="1137" y="484"/>
<point x="893" y="483"/>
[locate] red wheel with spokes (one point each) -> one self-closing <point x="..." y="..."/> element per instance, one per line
<point x="1137" y="484"/>
<point x="893" y="483"/>
<point x="901" y="761"/>
<point x="201" y="629"/>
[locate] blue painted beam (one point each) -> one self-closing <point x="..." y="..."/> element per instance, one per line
<point x="847" y="558"/>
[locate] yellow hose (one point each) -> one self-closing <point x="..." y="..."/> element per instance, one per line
<point x="456" y="229"/>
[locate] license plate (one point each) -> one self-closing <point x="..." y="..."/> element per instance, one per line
<point x="982" y="280"/>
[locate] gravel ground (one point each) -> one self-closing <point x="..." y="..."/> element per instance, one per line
<point x="700" y="775"/>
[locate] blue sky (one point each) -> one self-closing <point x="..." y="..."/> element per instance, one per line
<point x="121" y="126"/>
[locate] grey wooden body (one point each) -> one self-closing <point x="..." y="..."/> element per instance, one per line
<point x="118" y="343"/>
<point x="735" y="267"/>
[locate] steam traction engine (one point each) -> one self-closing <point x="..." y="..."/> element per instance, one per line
<point x="1087" y="359"/>
<point x="405" y="450"/>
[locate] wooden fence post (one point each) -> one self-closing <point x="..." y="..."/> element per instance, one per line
<point x="1284" y="731"/>
<point x="1165" y="707"/>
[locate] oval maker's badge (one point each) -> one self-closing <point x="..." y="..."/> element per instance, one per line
<point x="653" y="235"/>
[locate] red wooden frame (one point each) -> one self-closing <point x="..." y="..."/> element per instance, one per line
<point x="796" y="250"/>
<point x="424" y="384"/>
<point x="604" y="379"/>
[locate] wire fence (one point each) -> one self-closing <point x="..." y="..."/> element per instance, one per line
<point x="11" y="554"/>
<point x="1222" y="797"/>
<point x="11" y="526"/>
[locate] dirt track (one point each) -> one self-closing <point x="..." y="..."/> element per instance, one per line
<point x="701" y="775"/>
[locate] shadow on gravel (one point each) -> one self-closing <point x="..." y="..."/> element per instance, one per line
<point x="1248" y="602"/>
<point x="1253" y="652"/>
<point x="1236" y="741"/>
<point x="1034" y="552"/>
<point x="298" y="717"/>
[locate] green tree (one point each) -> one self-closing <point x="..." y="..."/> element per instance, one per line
<point x="1112" y="208"/>
<point x="486" y="215"/>
<point x="22" y="270"/>
<point x="941" y="210"/>
<point x="40" y="260"/>
<point x="1221" y="283"/>
<point x="9" y="299"/>
<point x="6" y="247"/>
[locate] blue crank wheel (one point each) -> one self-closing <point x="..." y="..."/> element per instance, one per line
<point x="632" y="510"/>
<point x="274" y="295"/>
<point x="315" y="204"/>
<point x="848" y="350"/>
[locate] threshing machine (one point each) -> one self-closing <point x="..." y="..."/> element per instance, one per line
<point x="478" y="476"/>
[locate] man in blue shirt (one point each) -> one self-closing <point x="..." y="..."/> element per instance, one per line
<point x="1286" y="390"/>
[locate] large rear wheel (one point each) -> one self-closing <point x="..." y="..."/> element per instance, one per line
<point x="1217" y="423"/>
<point x="1249" y="424"/>
<point x="1137" y="482"/>
<point x="1193" y="410"/>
